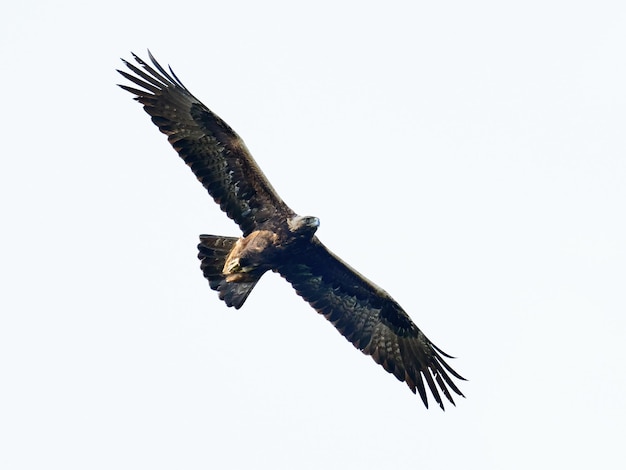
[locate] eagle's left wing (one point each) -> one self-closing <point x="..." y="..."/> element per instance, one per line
<point x="371" y="320"/>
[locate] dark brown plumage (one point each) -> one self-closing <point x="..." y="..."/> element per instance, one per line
<point x="276" y="238"/>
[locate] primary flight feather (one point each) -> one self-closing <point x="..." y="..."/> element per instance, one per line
<point x="276" y="238"/>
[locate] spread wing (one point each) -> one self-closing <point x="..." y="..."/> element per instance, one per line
<point x="371" y="320"/>
<point x="214" y="152"/>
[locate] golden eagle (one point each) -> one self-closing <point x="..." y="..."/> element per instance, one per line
<point x="276" y="238"/>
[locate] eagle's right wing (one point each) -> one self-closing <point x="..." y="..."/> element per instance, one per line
<point x="214" y="152"/>
<point x="371" y="320"/>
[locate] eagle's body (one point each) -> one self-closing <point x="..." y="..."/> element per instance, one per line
<point x="276" y="239"/>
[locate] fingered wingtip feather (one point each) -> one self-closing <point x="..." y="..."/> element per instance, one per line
<point x="176" y="78"/>
<point x="443" y="353"/>
<point x="447" y="367"/>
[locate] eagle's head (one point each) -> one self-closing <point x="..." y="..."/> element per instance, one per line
<point x="303" y="225"/>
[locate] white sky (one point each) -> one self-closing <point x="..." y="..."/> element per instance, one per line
<point x="469" y="157"/>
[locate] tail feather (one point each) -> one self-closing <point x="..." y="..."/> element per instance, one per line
<point x="213" y="251"/>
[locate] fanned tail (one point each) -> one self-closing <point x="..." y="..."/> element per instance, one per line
<point x="213" y="250"/>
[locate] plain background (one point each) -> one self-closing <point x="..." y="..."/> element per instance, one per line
<point x="469" y="157"/>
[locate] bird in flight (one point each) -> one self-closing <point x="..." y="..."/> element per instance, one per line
<point x="275" y="238"/>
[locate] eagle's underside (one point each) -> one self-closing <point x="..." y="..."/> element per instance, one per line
<point x="276" y="238"/>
